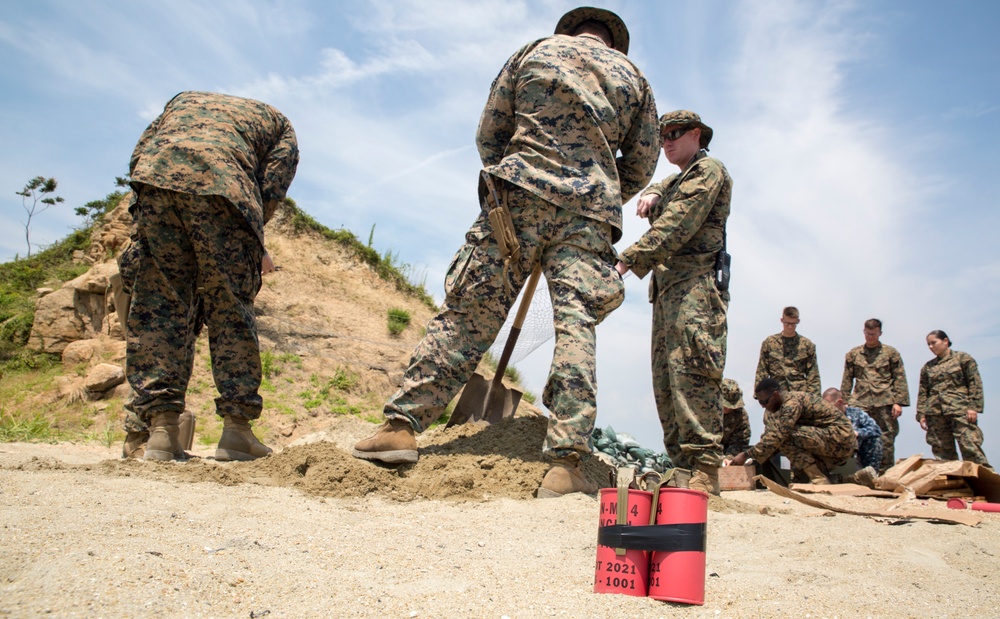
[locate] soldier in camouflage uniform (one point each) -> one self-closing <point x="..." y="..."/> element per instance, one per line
<point x="875" y="381"/>
<point x="808" y="430"/>
<point x="949" y="402"/>
<point x="869" y="455"/>
<point x="789" y="358"/>
<point x="735" y="420"/>
<point x="687" y="214"/>
<point x="558" y="113"/>
<point x="207" y="174"/>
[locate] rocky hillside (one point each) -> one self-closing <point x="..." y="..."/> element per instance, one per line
<point x="323" y="318"/>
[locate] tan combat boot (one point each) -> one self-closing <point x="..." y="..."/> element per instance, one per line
<point x="164" y="444"/>
<point x="864" y="477"/>
<point x="186" y="430"/>
<point x="816" y="475"/>
<point x="564" y="478"/>
<point x="393" y="443"/>
<point x="706" y="479"/>
<point x="238" y="441"/>
<point x="135" y="445"/>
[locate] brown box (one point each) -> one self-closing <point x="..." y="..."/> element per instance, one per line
<point x="737" y="477"/>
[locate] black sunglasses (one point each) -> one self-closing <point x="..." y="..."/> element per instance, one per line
<point x="675" y="133"/>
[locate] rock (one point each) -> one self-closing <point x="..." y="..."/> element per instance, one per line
<point x="103" y="377"/>
<point x="80" y="351"/>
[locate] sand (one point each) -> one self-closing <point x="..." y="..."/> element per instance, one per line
<point x="313" y="532"/>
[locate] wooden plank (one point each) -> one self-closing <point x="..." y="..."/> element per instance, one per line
<point x="737" y="477"/>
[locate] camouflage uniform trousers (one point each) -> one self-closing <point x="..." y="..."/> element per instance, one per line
<point x="197" y="254"/>
<point x="689" y="356"/>
<point x="870" y="453"/>
<point x="943" y="431"/>
<point x="890" y="430"/>
<point x="826" y="447"/>
<point x="577" y="260"/>
<point x="121" y="288"/>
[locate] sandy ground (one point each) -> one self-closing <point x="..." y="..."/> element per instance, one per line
<point x="311" y="532"/>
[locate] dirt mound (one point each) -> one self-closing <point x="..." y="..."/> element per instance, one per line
<point x="468" y="462"/>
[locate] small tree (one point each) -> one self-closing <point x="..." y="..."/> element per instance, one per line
<point x="36" y="191"/>
<point x="93" y="211"/>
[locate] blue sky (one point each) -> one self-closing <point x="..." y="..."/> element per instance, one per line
<point x="861" y="137"/>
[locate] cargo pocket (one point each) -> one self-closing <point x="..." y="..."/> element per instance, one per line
<point x="128" y="262"/>
<point x="611" y="294"/>
<point x="250" y="281"/>
<point x="455" y="279"/>
<point x="704" y="333"/>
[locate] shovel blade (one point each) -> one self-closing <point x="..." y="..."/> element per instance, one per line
<point x="481" y="401"/>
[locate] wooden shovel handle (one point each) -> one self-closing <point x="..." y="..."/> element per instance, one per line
<point x="515" y="331"/>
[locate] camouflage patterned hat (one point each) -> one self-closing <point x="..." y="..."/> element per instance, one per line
<point x="732" y="395"/>
<point x="569" y="22"/>
<point x="686" y="118"/>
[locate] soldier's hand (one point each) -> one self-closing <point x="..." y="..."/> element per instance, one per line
<point x="622" y="268"/>
<point x="971" y="416"/>
<point x="923" y="424"/>
<point x="897" y="410"/>
<point x="740" y="459"/>
<point x="267" y="265"/>
<point x="646" y="203"/>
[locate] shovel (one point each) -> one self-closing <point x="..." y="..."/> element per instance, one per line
<point x="490" y="401"/>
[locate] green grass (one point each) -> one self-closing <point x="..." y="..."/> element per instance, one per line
<point x="398" y="320"/>
<point x="25" y="428"/>
<point x="386" y="265"/>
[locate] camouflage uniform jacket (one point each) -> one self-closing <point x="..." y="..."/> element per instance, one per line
<point x="210" y="144"/>
<point x="687" y="224"/>
<point x="557" y="114"/>
<point x="949" y="385"/>
<point x="864" y="425"/>
<point x="799" y="409"/>
<point x="735" y="429"/>
<point x="791" y="361"/>
<point x="875" y="377"/>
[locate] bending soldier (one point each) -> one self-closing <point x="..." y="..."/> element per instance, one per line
<point x="207" y="174"/>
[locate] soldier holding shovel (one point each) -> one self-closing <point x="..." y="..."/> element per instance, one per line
<point x="568" y="134"/>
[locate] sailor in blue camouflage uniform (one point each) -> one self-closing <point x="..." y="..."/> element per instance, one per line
<point x="207" y="175"/>
<point x="570" y="132"/>
<point x="687" y="214"/>
<point x="869" y="455"/>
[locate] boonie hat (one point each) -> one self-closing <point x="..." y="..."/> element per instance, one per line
<point x="732" y="395"/>
<point x="568" y="23"/>
<point x="686" y="119"/>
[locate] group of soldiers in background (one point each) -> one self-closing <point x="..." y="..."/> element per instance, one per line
<point x="818" y="431"/>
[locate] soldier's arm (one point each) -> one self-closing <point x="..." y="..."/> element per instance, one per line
<point x="497" y="122"/>
<point x="689" y="206"/>
<point x="975" y="382"/>
<point x="278" y="169"/>
<point x="900" y="388"/>
<point x="762" y="371"/>
<point x="812" y="377"/>
<point x="743" y="434"/>
<point x="777" y="432"/>
<point x="640" y="148"/>
<point x="847" y="382"/>
<point x="923" y="395"/>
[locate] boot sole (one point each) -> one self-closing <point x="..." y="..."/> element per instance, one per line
<point x="163" y="456"/>
<point x="228" y="455"/>
<point x="545" y="493"/>
<point x="399" y="456"/>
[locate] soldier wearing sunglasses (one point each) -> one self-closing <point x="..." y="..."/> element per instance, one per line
<point x="687" y="213"/>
